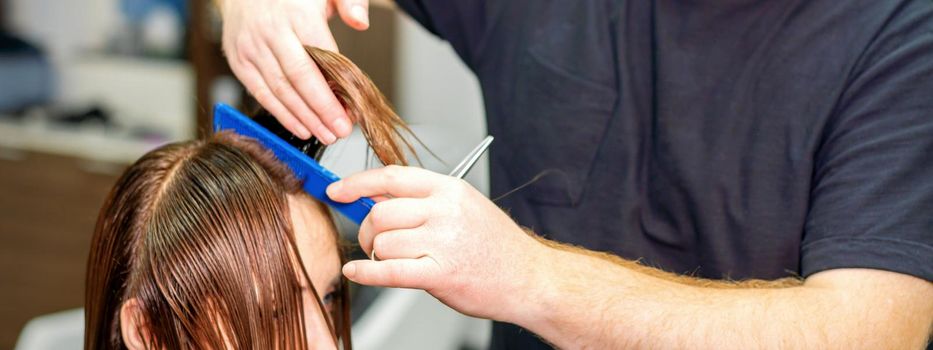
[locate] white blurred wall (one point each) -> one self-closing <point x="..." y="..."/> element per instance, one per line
<point x="436" y="89"/>
<point x="156" y="94"/>
<point x="64" y="27"/>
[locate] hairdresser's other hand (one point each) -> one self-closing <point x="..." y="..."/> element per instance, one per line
<point x="439" y="234"/>
<point x="264" y="43"/>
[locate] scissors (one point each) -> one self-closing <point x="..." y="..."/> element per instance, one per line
<point x="467" y="163"/>
<point x="460" y="170"/>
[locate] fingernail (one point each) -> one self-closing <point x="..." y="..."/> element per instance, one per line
<point x="327" y="137"/>
<point x="333" y="188"/>
<point x="349" y="270"/>
<point x="358" y="12"/>
<point x="342" y="127"/>
<point x="303" y="132"/>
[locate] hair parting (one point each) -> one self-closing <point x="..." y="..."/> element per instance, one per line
<point x="198" y="236"/>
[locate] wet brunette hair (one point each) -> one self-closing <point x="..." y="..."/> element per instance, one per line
<point x="199" y="235"/>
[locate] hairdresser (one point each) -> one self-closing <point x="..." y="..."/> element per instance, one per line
<point x="721" y="174"/>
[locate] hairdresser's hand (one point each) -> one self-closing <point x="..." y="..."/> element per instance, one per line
<point x="439" y="234"/>
<point x="264" y="43"/>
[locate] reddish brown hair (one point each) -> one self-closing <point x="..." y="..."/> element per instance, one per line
<point x="366" y="105"/>
<point x="199" y="234"/>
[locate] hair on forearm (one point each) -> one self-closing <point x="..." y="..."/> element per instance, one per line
<point x="668" y="276"/>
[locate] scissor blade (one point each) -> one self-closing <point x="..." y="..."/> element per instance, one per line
<point x="467" y="163"/>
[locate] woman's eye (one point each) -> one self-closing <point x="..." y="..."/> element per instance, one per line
<point x="329" y="298"/>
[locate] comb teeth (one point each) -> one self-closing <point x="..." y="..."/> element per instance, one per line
<point x="311" y="147"/>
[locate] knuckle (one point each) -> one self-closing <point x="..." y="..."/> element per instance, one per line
<point x="364" y="242"/>
<point x="280" y="87"/>
<point x="332" y="110"/>
<point x="379" y="243"/>
<point x="264" y="96"/>
<point x="393" y="274"/>
<point x="391" y="174"/>
<point x="312" y="120"/>
<point x="291" y="123"/>
<point x="267" y="27"/>
<point x="244" y="49"/>
<point x="377" y="216"/>
<point x="296" y="68"/>
<point x="238" y="61"/>
<point x="241" y="58"/>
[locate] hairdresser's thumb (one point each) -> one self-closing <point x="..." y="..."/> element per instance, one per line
<point x="355" y="13"/>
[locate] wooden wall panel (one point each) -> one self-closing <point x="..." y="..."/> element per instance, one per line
<point x="48" y="207"/>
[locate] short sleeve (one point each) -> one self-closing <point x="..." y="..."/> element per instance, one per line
<point x="462" y="23"/>
<point x="872" y="192"/>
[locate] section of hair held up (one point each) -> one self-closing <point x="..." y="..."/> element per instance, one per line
<point x="365" y="105"/>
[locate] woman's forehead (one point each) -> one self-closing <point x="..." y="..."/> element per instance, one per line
<point x="315" y="237"/>
<point x="311" y="219"/>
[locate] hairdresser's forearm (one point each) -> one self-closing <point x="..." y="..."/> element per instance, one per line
<point x="441" y="235"/>
<point x="591" y="302"/>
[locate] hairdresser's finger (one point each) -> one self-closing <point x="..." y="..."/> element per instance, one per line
<point x="307" y="77"/>
<point x="274" y="72"/>
<point x="355" y="13"/>
<point x="313" y="32"/>
<point x="400" y="244"/>
<point x="398" y="213"/>
<point x="393" y="214"/>
<point x="398" y="273"/>
<point x="251" y="78"/>
<point x="393" y="180"/>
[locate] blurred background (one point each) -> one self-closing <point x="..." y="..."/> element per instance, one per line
<point x="88" y="86"/>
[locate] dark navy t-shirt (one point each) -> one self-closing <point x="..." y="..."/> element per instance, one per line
<point x="724" y="139"/>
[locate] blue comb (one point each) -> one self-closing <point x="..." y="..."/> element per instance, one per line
<point x="314" y="177"/>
